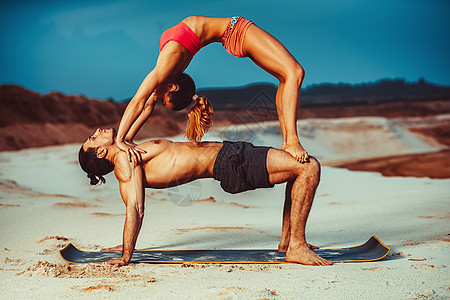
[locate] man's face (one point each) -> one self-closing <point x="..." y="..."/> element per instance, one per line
<point x="100" y="138"/>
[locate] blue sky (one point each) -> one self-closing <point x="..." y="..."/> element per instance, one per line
<point x="105" y="48"/>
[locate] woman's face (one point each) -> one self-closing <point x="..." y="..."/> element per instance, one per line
<point x="168" y="102"/>
<point x="164" y="94"/>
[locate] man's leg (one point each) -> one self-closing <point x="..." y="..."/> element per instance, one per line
<point x="285" y="229"/>
<point x="303" y="180"/>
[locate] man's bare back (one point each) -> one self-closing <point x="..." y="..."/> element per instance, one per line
<point x="168" y="164"/>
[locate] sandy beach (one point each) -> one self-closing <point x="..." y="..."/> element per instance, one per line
<point x="46" y="202"/>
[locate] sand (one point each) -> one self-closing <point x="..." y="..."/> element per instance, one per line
<point x="46" y="202"/>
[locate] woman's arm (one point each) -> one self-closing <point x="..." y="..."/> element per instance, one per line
<point x="173" y="59"/>
<point x="137" y="104"/>
<point x="140" y="121"/>
<point x="133" y="118"/>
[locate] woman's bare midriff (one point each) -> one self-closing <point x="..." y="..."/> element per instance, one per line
<point x="208" y="29"/>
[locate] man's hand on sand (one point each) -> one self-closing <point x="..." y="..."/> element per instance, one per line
<point x="118" y="262"/>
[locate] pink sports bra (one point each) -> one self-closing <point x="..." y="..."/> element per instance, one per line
<point x="182" y="34"/>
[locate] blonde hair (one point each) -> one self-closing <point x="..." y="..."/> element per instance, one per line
<point x="200" y="117"/>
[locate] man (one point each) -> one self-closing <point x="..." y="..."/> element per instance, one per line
<point x="238" y="166"/>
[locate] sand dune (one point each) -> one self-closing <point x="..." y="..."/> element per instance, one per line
<point x="29" y="119"/>
<point x="432" y="165"/>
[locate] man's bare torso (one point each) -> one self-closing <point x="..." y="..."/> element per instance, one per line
<point x="169" y="163"/>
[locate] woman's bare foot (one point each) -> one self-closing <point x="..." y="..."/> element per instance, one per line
<point x="306" y="256"/>
<point x="297" y="151"/>
<point x="118" y="248"/>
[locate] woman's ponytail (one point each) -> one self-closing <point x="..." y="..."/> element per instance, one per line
<point x="200" y="117"/>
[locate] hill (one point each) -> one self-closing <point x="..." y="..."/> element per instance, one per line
<point x="29" y="119"/>
<point x="382" y="91"/>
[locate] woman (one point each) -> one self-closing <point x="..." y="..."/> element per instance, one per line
<point x="167" y="83"/>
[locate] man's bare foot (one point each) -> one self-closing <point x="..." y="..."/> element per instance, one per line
<point x="312" y="247"/>
<point x="118" y="248"/>
<point x="306" y="256"/>
<point x="283" y="248"/>
<point x="297" y="151"/>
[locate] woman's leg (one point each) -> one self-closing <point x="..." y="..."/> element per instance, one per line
<point x="268" y="53"/>
<point x="278" y="102"/>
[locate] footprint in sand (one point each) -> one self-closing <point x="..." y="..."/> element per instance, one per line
<point x="13" y="261"/>
<point x="417" y="258"/>
<point x="375" y="269"/>
<point x="400" y="254"/>
<point x="426" y="266"/>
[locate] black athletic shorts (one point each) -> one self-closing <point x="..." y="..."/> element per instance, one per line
<point x="241" y="166"/>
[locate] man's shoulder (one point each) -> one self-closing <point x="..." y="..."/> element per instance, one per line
<point x="123" y="168"/>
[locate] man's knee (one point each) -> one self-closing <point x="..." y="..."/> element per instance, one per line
<point x="310" y="169"/>
<point x="314" y="164"/>
<point x="313" y="167"/>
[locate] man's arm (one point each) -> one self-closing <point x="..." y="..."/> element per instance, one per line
<point x="132" y="191"/>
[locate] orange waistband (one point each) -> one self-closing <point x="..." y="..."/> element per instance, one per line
<point x="234" y="35"/>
